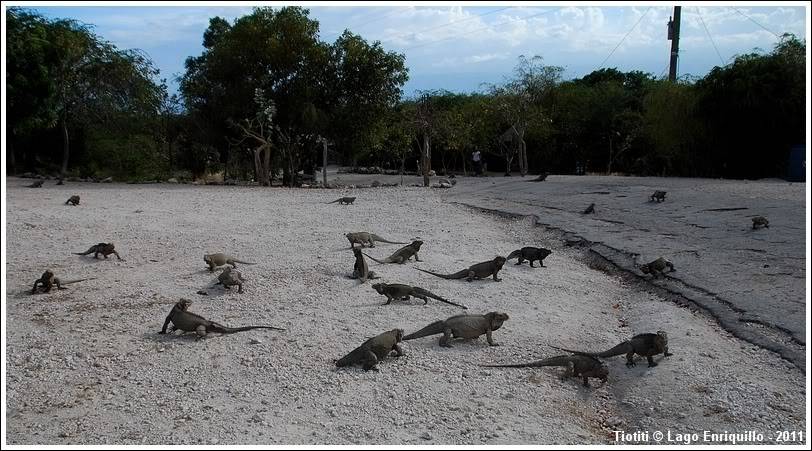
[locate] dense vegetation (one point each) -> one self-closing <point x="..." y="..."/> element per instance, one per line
<point x="266" y="95"/>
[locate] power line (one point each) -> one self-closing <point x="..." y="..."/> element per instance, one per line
<point x="709" y="36"/>
<point x="365" y="22"/>
<point x="447" y="24"/>
<point x="624" y="38"/>
<point x="483" y="29"/>
<point x="754" y="21"/>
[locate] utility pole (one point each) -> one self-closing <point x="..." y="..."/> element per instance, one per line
<point x="673" y="36"/>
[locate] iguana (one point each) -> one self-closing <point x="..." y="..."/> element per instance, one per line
<point x="530" y="254"/>
<point x="403" y="254"/>
<point x="343" y="200"/>
<point x="230" y="277"/>
<point x="374" y="350"/>
<point x="583" y="366"/>
<point x="542" y="177"/>
<point x="659" y="196"/>
<point x="37" y="184"/>
<point x="646" y="345"/>
<point x="760" y="221"/>
<point x="363" y="238"/>
<point x="48" y="281"/>
<point x="463" y="326"/>
<point x="657" y="267"/>
<point x="360" y="269"/>
<point x="477" y="271"/>
<point x="215" y="260"/>
<point x="102" y="248"/>
<point x="590" y="209"/>
<point x="401" y="291"/>
<point x="74" y="200"/>
<point x="186" y="321"/>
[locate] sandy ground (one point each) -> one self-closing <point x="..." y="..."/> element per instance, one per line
<point x="86" y="365"/>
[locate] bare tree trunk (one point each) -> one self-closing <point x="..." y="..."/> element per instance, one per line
<point x="609" y="166"/>
<point x="324" y="163"/>
<point x="426" y="156"/>
<point x="523" y="157"/>
<point x="10" y="148"/>
<point x="65" y="148"/>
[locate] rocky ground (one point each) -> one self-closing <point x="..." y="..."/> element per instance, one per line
<point x="86" y="365"/>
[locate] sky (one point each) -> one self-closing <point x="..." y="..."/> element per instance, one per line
<point x="458" y="48"/>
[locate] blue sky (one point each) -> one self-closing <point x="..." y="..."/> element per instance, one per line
<point x="459" y="47"/>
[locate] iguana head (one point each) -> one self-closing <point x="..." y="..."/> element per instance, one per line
<point x="496" y="319"/>
<point x="499" y="261"/>
<point x="602" y="373"/>
<point x="645" y="268"/>
<point x="398" y="334"/>
<point x="378" y="287"/>
<point x="207" y="258"/>
<point x="416" y="244"/>
<point x="663" y="335"/>
<point x="48" y="274"/>
<point x="184" y="304"/>
<point x="545" y="252"/>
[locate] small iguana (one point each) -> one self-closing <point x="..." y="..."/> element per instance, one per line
<point x="363" y="238"/>
<point x="215" y="260"/>
<point x="374" y="350"/>
<point x="530" y="254"/>
<point x="590" y="209"/>
<point x="360" y="269"/>
<point x="646" y="345"/>
<point x="74" y="200"/>
<point x="102" y="248"/>
<point x="48" y="281"/>
<point x="659" y="196"/>
<point x="403" y="254"/>
<point x="463" y="326"/>
<point x="343" y="200"/>
<point x="37" y="184"/>
<point x="477" y="271"/>
<point x="401" y="291"/>
<point x="230" y="277"/>
<point x="186" y="321"/>
<point x="657" y="267"/>
<point x="760" y="221"/>
<point x="542" y="177"/>
<point x="582" y="366"/>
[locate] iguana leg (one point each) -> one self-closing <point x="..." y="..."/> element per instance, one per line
<point x="541" y="263"/>
<point x="630" y="359"/>
<point x="240" y="290"/>
<point x="166" y="323"/>
<point x="117" y="256"/>
<point x="470" y="277"/>
<point x="416" y="258"/>
<point x="36" y="282"/>
<point x="531" y="263"/>
<point x="586" y="381"/>
<point x="489" y="336"/>
<point x="445" y="338"/>
<point x="211" y="266"/>
<point x="370" y="361"/>
<point x="398" y="350"/>
<point x="497" y="279"/>
<point x="651" y="362"/>
<point x="569" y="372"/>
<point x="521" y="260"/>
<point x="388" y="300"/>
<point x="201" y="331"/>
<point x="424" y="298"/>
<point x="58" y="286"/>
<point x="666" y="353"/>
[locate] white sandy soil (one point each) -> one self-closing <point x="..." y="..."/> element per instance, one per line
<point x="87" y="366"/>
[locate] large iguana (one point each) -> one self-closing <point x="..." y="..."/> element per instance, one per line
<point x="186" y="321"/>
<point x="530" y="254"/>
<point x="73" y="200"/>
<point x="583" y="366"/>
<point x="102" y="248"/>
<point x="403" y="254"/>
<point x="657" y="267"/>
<point x="477" y="271"/>
<point x="37" y="184"/>
<point x="646" y="345"/>
<point x="374" y="350"/>
<point x="401" y="291"/>
<point x="590" y="209"/>
<point x="215" y="260"/>
<point x="760" y="221"/>
<point x="47" y="282"/>
<point x="360" y="269"/>
<point x="659" y="196"/>
<point x="230" y="277"/>
<point x="363" y="238"/>
<point x="343" y="200"/>
<point x="463" y="326"/>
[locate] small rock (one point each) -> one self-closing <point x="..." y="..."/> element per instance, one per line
<point x="426" y="436"/>
<point x="254" y="341"/>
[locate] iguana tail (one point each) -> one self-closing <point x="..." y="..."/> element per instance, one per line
<point x="240" y="261"/>
<point x="561" y="360"/>
<point x="375" y="259"/>
<point x="514" y="254"/>
<point x="432" y="295"/>
<point x="457" y="275"/>
<point x="348" y="359"/>
<point x="434" y="328"/>
<point x="623" y="348"/>
<point x="92" y="248"/>
<point x="382" y="240"/>
<point x="77" y="280"/>
<point x="592" y="354"/>
<point x="219" y="328"/>
<point x="333" y="201"/>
